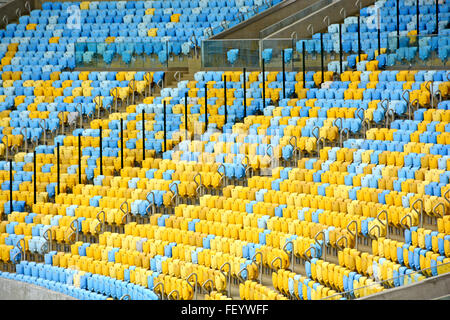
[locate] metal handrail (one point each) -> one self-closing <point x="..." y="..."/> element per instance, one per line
<point x="310" y="28"/>
<point x="446" y="193"/>
<point x="177" y="73"/>
<point x="34" y="140"/>
<point x="260" y="265"/>
<point x="292" y="36"/>
<point x="42" y="125"/>
<point x="354" y="234"/>
<point x="205" y="283"/>
<point x="408" y="105"/>
<point x="199" y="184"/>
<point x="21" y="250"/>
<point x="210" y="31"/>
<point x="162" y="290"/>
<point x="97" y="105"/>
<point x="240" y="278"/>
<point x="108" y="109"/>
<point x="169" y="296"/>
<point x="366" y="125"/>
<point x="375" y="226"/>
<point x="294" y="146"/>
<point x="74" y="230"/>
<point x="194" y="42"/>
<point x="341" y="134"/>
<point x="221" y="166"/>
<point x="132" y="87"/>
<point x="308" y="250"/>
<point x="91" y="114"/>
<point x="15" y="256"/>
<point x="269" y="146"/>
<point x="224" y="24"/>
<point x="321" y="139"/>
<point x="313" y="133"/>
<point x="151" y="205"/>
<point x="438" y="93"/>
<point x="147" y="79"/>
<point x="49" y="240"/>
<point x="240" y="16"/>
<point x="116" y="97"/>
<point x="80" y="111"/>
<point x="391" y="113"/>
<point x="158" y="84"/>
<point x="61" y="119"/>
<point x="291" y="254"/>
<point x="436" y="213"/>
<point x="175" y="194"/>
<point x="100" y="223"/>
<point x="430" y="89"/>
<point x="340" y="123"/>
<point x="248" y="168"/>
<point x="27" y="6"/>
<point x="385" y="108"/>
<point x="126" y="213"/>
<point x="228" y="284"/>
<point x="126" y="295"/>
<point x="222" y="175"/>
<point x="406" y="216"/>
<point x="361" y="117"/>
<point x="14" y="148"/>
<point x="339" y="239"/>
<point x="24" y="132"/>
<point x="328" y="21"/>
<point x="7" y="147"/>
<point x="273" y="263"/>
<point x="295" y="149"/>
<point x="194" y="288"/>
<point x="387" y="221"/>
<point x="417" y="102"/>
<point x="343" y="14"/>
<point x="421" y="210"/>
<point x="324" y="245"/>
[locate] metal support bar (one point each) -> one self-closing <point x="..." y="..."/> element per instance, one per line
<point x="304" y="64"/>
<point x="10" y="187"/>
<point x="284" y="73"/>
<point x="79" y="158"/>
<point x="245" y="94"/>
<point x="186" y="114"/>
<point x="101" y="151"/>
<point x="206" y="107"/>
<point x="34" y="177"/>
<point x="143" y="134"/>
<point x="57" y="167"/>
<point x="165" y="126"/>
<point x="225" y="98"/>
<point x="264" y="83"/>
<point x="121" y="143"/>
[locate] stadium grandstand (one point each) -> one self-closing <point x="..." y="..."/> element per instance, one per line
<point x="225" y="150"/>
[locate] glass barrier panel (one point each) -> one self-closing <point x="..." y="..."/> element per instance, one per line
<point x="135" y="55"/>
<point x="371" y="285"/>
<point x="222" y="54"/>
